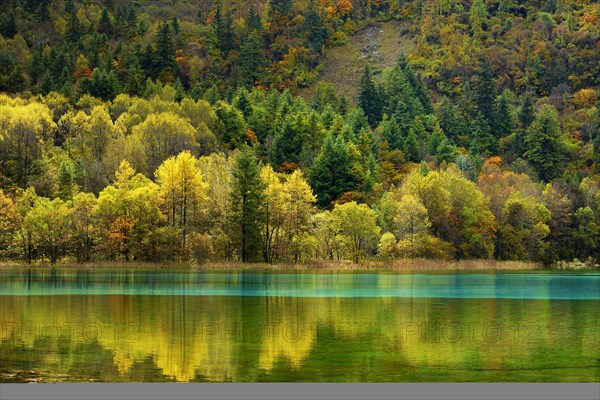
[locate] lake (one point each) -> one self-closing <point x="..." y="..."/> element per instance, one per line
<point x="120" y="325"/>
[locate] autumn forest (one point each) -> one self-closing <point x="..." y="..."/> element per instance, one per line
<point x="203" y="132"/>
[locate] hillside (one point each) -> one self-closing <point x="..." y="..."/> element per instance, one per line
<point x="299" y="131"/>
<point x="377" y="43"/>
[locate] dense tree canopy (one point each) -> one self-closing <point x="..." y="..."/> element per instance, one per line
<point x="130" y="132"/>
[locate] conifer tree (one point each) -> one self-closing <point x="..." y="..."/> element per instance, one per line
<point x="527" y="113"/>
<point x="369" y="98"/>
<point x="545" y="151"/>
<point x="485" y="91"/>
<point x="247" y="193"/>
<point x="330" y="175"/>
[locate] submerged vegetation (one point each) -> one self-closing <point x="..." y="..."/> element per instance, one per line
<point x="131" y="132"/>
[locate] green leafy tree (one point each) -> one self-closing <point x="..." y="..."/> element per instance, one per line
<point x="359" y="223"/>
<point x="586" y="234"/>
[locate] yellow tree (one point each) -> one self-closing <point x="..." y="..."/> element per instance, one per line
<point x="359" y="223"/>
<point x="129" y="213"/>
<point x="216" y="169"/>
<point x="48" y="222"/>
<point x="165" y="135"/>
<point x="274" y="204"/>
<point x="298" y="209"/>
<point x="183" y="189"/>
<point x="10" y="222"/>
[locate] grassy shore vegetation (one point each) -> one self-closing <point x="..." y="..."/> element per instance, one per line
<point x="133" y="133"/>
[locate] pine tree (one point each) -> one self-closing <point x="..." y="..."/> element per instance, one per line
<point x="8" y="25"/>
<point x="545" y="151"/>
<point x="164" y="64"/>
<point x="485" y="91"/>
<point x="16" y="80"/>
<point x="242" y="103"/>
<point x="527" y="113"/>
<point x="445" y="152"/>
<point x="419" y="88"/>
<point x="47" y="84"/>
<point x="135" y="80"/>
<point x="482" y="140"/>
<point x="252" y="59"/>
<point x="253" y="21"/>
<point x="281" y="7"/>
<point x="391" y="134"/>
<point x="287" y="144"/>
<point x="74" y="29"/>
<point x="316" y="32"/>
<point x="596" y="139"/>
<point x="411" y="148"/>
<point x="247" y="192"/>
<point x="503" y="125"/>
<point x="179" y="90"/>
<point x="451" y="124"/>
<point x="223" y="32"/>
<point x="369" y="98"/>
<point x="105" y="24"/>
<point x="331" y="175"/>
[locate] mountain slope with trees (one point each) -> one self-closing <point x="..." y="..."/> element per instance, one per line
<point x="174" y="131"/>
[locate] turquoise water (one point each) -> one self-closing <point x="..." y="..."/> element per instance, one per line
<point x="305" y="284"/>
<point x="122" y="325"/>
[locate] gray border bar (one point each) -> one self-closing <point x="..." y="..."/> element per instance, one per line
<point x="297" y="391"/>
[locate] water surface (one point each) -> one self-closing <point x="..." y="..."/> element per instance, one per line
<point x="249" y="326"/>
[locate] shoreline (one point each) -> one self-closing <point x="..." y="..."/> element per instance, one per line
<point x="392" y="266"/>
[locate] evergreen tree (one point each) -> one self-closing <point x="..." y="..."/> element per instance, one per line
<point x="391" y="134"/>
<point x="164" y="64"/>
<point x="281" y="7"/>
<point x="287" y="144"/>
<point x="74" y="29"/>
<point x="8" y="25"/>
<point x="485" y="91"/>
<point x="179" y="90"/>
<point x="253" y="21"/>
<point x="527" y="113"/>
<point x="412" y="148"/>
<point x="503" y="125"/>
<point x="36" y="67"/>
<point x="446" y="152"/>
<point x="369" y="98"/>
<point x="316" y="32"/>
<point x="247" y="193"/>
<point x="223" y="32"/>
<point x="419" y="88"/>
<point x="482" y="140"/>
<point x="135" y="80"/>
<point x="545" y="152"/>
<point x="16" y="80"/>
<point x="451" y="124"/>
<point x="596" y="139"/>
<point x="242" y="103"/>
<point x="252" y="59"/>
<point x="47" y="83"/>
<point x="105" y="23"/>
<point x="331" y="175"/>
